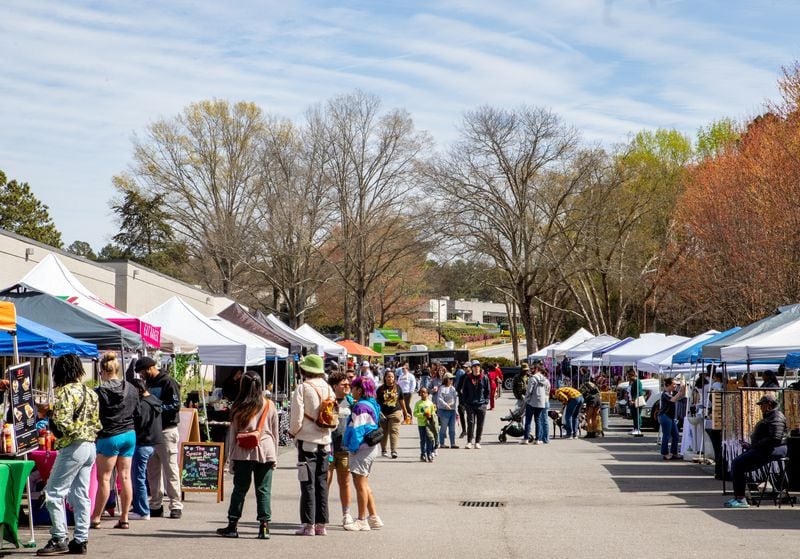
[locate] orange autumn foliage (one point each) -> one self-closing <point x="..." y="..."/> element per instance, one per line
<point x="737" y="245"/>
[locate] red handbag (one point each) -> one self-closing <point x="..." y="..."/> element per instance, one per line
<point x="251" y="439"/>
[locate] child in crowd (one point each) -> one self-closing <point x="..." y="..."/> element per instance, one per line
<point x="424" y="410"/>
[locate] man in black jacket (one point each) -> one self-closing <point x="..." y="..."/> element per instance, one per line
<point x="163" y="464"/>
<point x="474" y="392"/>
<point x="767" y="443"/>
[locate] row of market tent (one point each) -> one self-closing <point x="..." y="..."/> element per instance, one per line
<point x="774" y="340"/>
<point x="57" y="314"/>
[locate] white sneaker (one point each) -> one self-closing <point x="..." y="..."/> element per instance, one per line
<point x="538" y="442"/>
<point x="524" y="441"/>
<point x="375" y="522"/>
<point x="468" y="445"/>
<point x="347" y="519"/>
<point x="136" y="516"/>
<point x="352" y="526"/>
<point x="477" y="445"/>
<point x="362" y="525"/>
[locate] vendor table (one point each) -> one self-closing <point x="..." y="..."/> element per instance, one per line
<point x="16" y="474"/>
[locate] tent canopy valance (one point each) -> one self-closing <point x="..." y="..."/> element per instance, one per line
<point x="68" y="319"/>
<point x="52" y="277"/>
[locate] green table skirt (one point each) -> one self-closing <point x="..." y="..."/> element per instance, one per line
<point x="13" y="475"/>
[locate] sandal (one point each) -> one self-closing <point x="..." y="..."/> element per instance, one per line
<point x="122" y="525"/>
<point x="94" y="525"/>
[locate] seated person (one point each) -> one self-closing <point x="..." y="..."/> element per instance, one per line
<point x="767" y="443"/>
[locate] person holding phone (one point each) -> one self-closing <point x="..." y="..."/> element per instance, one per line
<point x="668" y="421"/>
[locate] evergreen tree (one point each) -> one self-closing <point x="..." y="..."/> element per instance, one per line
<point x="22" y="213"/>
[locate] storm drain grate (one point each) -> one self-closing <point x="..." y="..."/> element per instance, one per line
<point x="482" y="504"/>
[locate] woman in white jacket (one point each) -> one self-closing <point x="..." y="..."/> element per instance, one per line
<point x="313" y="446"/>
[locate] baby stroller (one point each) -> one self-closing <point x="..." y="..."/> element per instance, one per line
<point x="514" y="427"/>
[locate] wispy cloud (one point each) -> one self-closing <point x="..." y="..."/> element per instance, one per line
<point x="80" y="78"/>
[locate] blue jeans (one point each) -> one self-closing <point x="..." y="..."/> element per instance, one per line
<point x="447" y="424"/>
<point x="529" y="413"/>
<point x="542" y="429"/>
<point x="571" y="415"/>
<point x="425" y="441"/>
<point x="543" y="422"/>
<point x="669" y="433"/>
<point x="70" y="478"/>
<point x="141" y="456"/>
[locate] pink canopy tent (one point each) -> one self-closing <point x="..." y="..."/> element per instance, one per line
<point x="51" y="276"/>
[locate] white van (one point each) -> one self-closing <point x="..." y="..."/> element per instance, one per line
<point x="652" y="394"/>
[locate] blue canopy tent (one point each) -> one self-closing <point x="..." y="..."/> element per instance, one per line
<point x="35" y="339"/>
<point x="792" y="360"/>
<point x="694" y="353"/>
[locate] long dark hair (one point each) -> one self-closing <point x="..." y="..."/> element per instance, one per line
<point x="68" y="369"/>
<point x="249" y="401"/>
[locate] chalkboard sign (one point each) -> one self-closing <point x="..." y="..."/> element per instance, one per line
<point x="23" y="407"/>
<point x="201" y="468"/>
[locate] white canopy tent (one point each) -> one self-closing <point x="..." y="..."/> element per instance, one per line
<point x="557" y="351"/>
<point x="769" y="346"/>
<point x="662" y="361"/>
<point x="217" y="345"/>
<point x="644" y="346"/>
<point x="324" y="345"/>
<point x="598" y="342"/>
<point x="288" y="332"/>
<point x="271" y="349"/>
<point x="542" y="353"/>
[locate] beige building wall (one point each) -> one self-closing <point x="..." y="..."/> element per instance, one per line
<point x="140" y="290"/>
<point x="18" y="256"/>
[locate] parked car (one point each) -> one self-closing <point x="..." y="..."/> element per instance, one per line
<point x="508" y="376"/>
<point x="652" y="395"/>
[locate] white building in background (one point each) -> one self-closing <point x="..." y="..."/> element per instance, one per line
<point x="465" y="310"/>
<point x="128" y="286"/>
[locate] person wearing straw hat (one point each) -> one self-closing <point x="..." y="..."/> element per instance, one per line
<point x="313" y="445"/>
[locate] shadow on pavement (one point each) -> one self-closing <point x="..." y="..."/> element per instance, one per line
<point x="638" y="468"/>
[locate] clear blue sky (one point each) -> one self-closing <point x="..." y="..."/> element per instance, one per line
<point x="80" y="78"/>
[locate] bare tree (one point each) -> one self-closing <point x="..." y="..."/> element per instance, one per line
<point x="504" y="187"/>
<point x="372" y="165"/>
<point x="292" y="210"/>
<point x="205" y="163"/>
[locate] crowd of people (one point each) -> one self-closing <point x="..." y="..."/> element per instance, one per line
<point x="127" y="428"/>
<point x="341" y="421"/>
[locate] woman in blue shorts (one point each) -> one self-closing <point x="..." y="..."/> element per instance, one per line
<point x="116" y="441"/>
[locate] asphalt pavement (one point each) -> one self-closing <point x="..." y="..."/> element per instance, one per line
<point x="610" y="497"/>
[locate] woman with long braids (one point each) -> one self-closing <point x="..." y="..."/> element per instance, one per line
<point x="251" y="413"/>
<point x="75" y="413"/>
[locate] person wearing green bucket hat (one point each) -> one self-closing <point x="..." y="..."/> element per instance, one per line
<point x="313" y="445"/>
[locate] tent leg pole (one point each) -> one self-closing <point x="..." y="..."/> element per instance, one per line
<point x="203" y="399"/>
